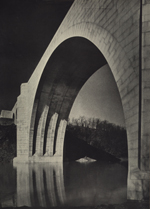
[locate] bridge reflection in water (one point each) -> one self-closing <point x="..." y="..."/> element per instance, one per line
<point x="40" y="185"/>
<point x="64" y="184"/>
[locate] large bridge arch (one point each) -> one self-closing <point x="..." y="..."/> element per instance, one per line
<point x="121" y="51"/>
<point x="124" y="74"/>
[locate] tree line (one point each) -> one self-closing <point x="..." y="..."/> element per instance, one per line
<point x="100" y="134"/>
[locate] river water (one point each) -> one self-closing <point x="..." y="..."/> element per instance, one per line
<point x="67" y="184"/>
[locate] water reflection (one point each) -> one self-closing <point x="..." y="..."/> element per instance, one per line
<point x="40" y="185"/>
<point x="7" y="185"/>
<point x="95" y="183"/>
<point x="68" y="184"/>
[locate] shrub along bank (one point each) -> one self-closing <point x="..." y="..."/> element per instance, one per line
<point x="7" y="143"/>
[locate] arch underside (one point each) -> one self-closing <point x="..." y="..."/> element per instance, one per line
<point x="69" y="67"/>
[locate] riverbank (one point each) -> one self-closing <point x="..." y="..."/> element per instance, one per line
<point x="130" y="204"/>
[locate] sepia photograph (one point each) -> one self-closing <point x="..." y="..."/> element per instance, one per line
<point x="75" y="104"/>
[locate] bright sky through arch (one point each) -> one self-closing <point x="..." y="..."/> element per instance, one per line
<point x="99" y="98"/>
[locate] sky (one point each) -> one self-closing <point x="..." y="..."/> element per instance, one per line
<point x="99" y="98"/>
<point x="27" y="27"/>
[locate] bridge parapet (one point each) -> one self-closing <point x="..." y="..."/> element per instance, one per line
<point x="6" y="114"/>
<point x="6" y="117"/>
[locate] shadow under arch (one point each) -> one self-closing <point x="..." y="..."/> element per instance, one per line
<point x="69" y="67"/>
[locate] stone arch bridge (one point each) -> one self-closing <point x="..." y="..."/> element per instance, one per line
<point x="117" y="33"/>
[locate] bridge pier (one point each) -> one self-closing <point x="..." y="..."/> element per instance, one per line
<point x="22" y="125"/>
<point x="138" y="184"/>
<point x="51" y="155"/>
